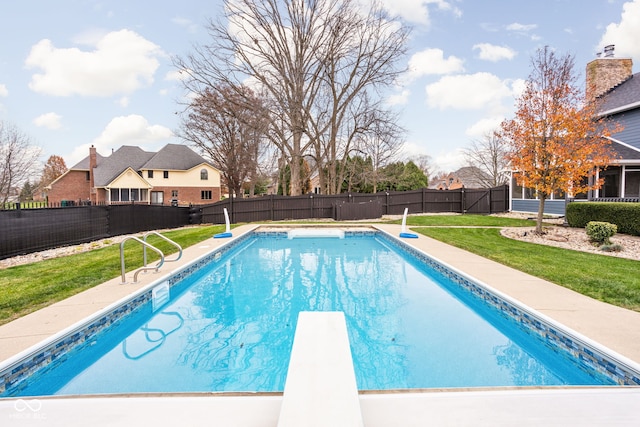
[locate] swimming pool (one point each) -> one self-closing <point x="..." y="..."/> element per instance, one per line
<point x="404" y="334"/>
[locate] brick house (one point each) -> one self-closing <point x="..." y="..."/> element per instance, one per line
<point x="175" y="174"/>
<point x="465" y="177"/>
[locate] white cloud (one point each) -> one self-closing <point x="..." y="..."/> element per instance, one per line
<point x="4" y="92"/>
<point x="449" y="161"/>
<point x="401" y="98"/>
<point x="120" y="63"/>
<point x="418" y="11"/>
<point x="186" y="23"/>
<point x="521" y="28"/>
<point x="484" y="127"/>
<point x="493" y="53"/>
<point x="432" y="61"/>
<point x="524" y="30"/>
<point x="468" y="92"/>
<point x="626" y="33"/>
<point x="131" y="130"/>
<point x="124" y="101"/>
<point x="176" y="75"/>
<point x="49" y="121"/>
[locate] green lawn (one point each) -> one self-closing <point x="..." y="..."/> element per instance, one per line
<point x="609" y="279"/>
<point x="27" y="288"/>
<point x="468" y="220"/>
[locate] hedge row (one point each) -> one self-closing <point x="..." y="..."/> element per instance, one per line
<point x="625" y="215"/>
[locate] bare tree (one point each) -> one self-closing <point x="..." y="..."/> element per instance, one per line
<point x="359" y="58"/>
<point x="311" y="59"/>
<point x="18" y="160"/>
<point x="382" y="143"/>
<point x="424" y="162"/>
<point x="488" y="160"/>
<point x="229" y="130"/>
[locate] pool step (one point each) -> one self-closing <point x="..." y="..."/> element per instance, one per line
<point x="321" y="385"/>
<point x="297" y="233"/>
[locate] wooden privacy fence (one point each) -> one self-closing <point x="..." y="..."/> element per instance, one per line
<point x="24" y="231"/>
<point x="354" y="206"/>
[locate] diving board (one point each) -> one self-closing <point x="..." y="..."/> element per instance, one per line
<point x="321" y="388"/>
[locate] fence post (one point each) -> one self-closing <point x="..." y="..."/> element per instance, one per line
<point x="462" y="201"/>
<point x="271" y="207"/>
<point x="490" y="205"/>
<point x="311" y="203"/>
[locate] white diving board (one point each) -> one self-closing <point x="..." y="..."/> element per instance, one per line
<point x="321" y="388"/>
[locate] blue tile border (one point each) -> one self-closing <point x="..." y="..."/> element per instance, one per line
<point x="590" y="356"/>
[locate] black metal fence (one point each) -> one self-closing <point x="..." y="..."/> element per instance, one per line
<point x="353" y="206"/>
<point x="29" y="230"/>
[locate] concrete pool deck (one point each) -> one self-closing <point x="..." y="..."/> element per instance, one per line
<point x="613" y="327"/>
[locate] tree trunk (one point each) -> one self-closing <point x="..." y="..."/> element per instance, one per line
<point x="540" y="215"/>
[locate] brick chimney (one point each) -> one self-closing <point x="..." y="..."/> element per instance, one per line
<point x="93" y="162"/>
<point x="603" y="74"/>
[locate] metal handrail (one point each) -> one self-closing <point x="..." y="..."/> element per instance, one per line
<point x="144" y="249"/>
<point x="145" y="268"/>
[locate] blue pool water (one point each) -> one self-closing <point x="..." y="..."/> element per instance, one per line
<point x="230" y="327"/>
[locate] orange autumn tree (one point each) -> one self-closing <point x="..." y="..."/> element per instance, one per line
<point x="556" y="141"/>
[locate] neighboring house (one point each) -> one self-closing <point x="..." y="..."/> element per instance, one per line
<point x="618" y="88"/>
<point x="173" y="175"/>
<point x="465" y="177"/>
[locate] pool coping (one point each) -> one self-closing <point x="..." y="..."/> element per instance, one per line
<point x="559" y="304"/>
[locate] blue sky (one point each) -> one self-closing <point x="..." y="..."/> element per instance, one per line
<point x="80" y="72"/>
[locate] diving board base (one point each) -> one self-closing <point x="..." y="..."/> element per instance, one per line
<point x="409" y="235"/>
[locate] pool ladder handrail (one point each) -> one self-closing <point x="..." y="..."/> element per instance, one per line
<point x="144" y="268"/>
<point x="145" y="244"/>
<point x="155" y="233"/>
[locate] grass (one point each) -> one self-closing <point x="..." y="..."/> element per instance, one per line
<point x="609" y="279"/>
<point x="27" y="288"/>
<point x="468" y="220"/>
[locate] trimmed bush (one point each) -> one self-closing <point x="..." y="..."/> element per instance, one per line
<point x="599" y="232"/>
<point x="625" y="215"/>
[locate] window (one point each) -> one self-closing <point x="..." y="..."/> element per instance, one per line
<point x="128" y="194"/>
<point x="611" y="187"/>
<point x="205" y="194"/>
<point x="632" y="182"/>
<point x="516" y="189"/>
<point x="88" y="176"/>
<point x="204" y="174"/>
<point x="149" y="174"/>
<point x="166" y="174"/>
<point x="174" y="194"/>
<point x="157" y="197"/>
